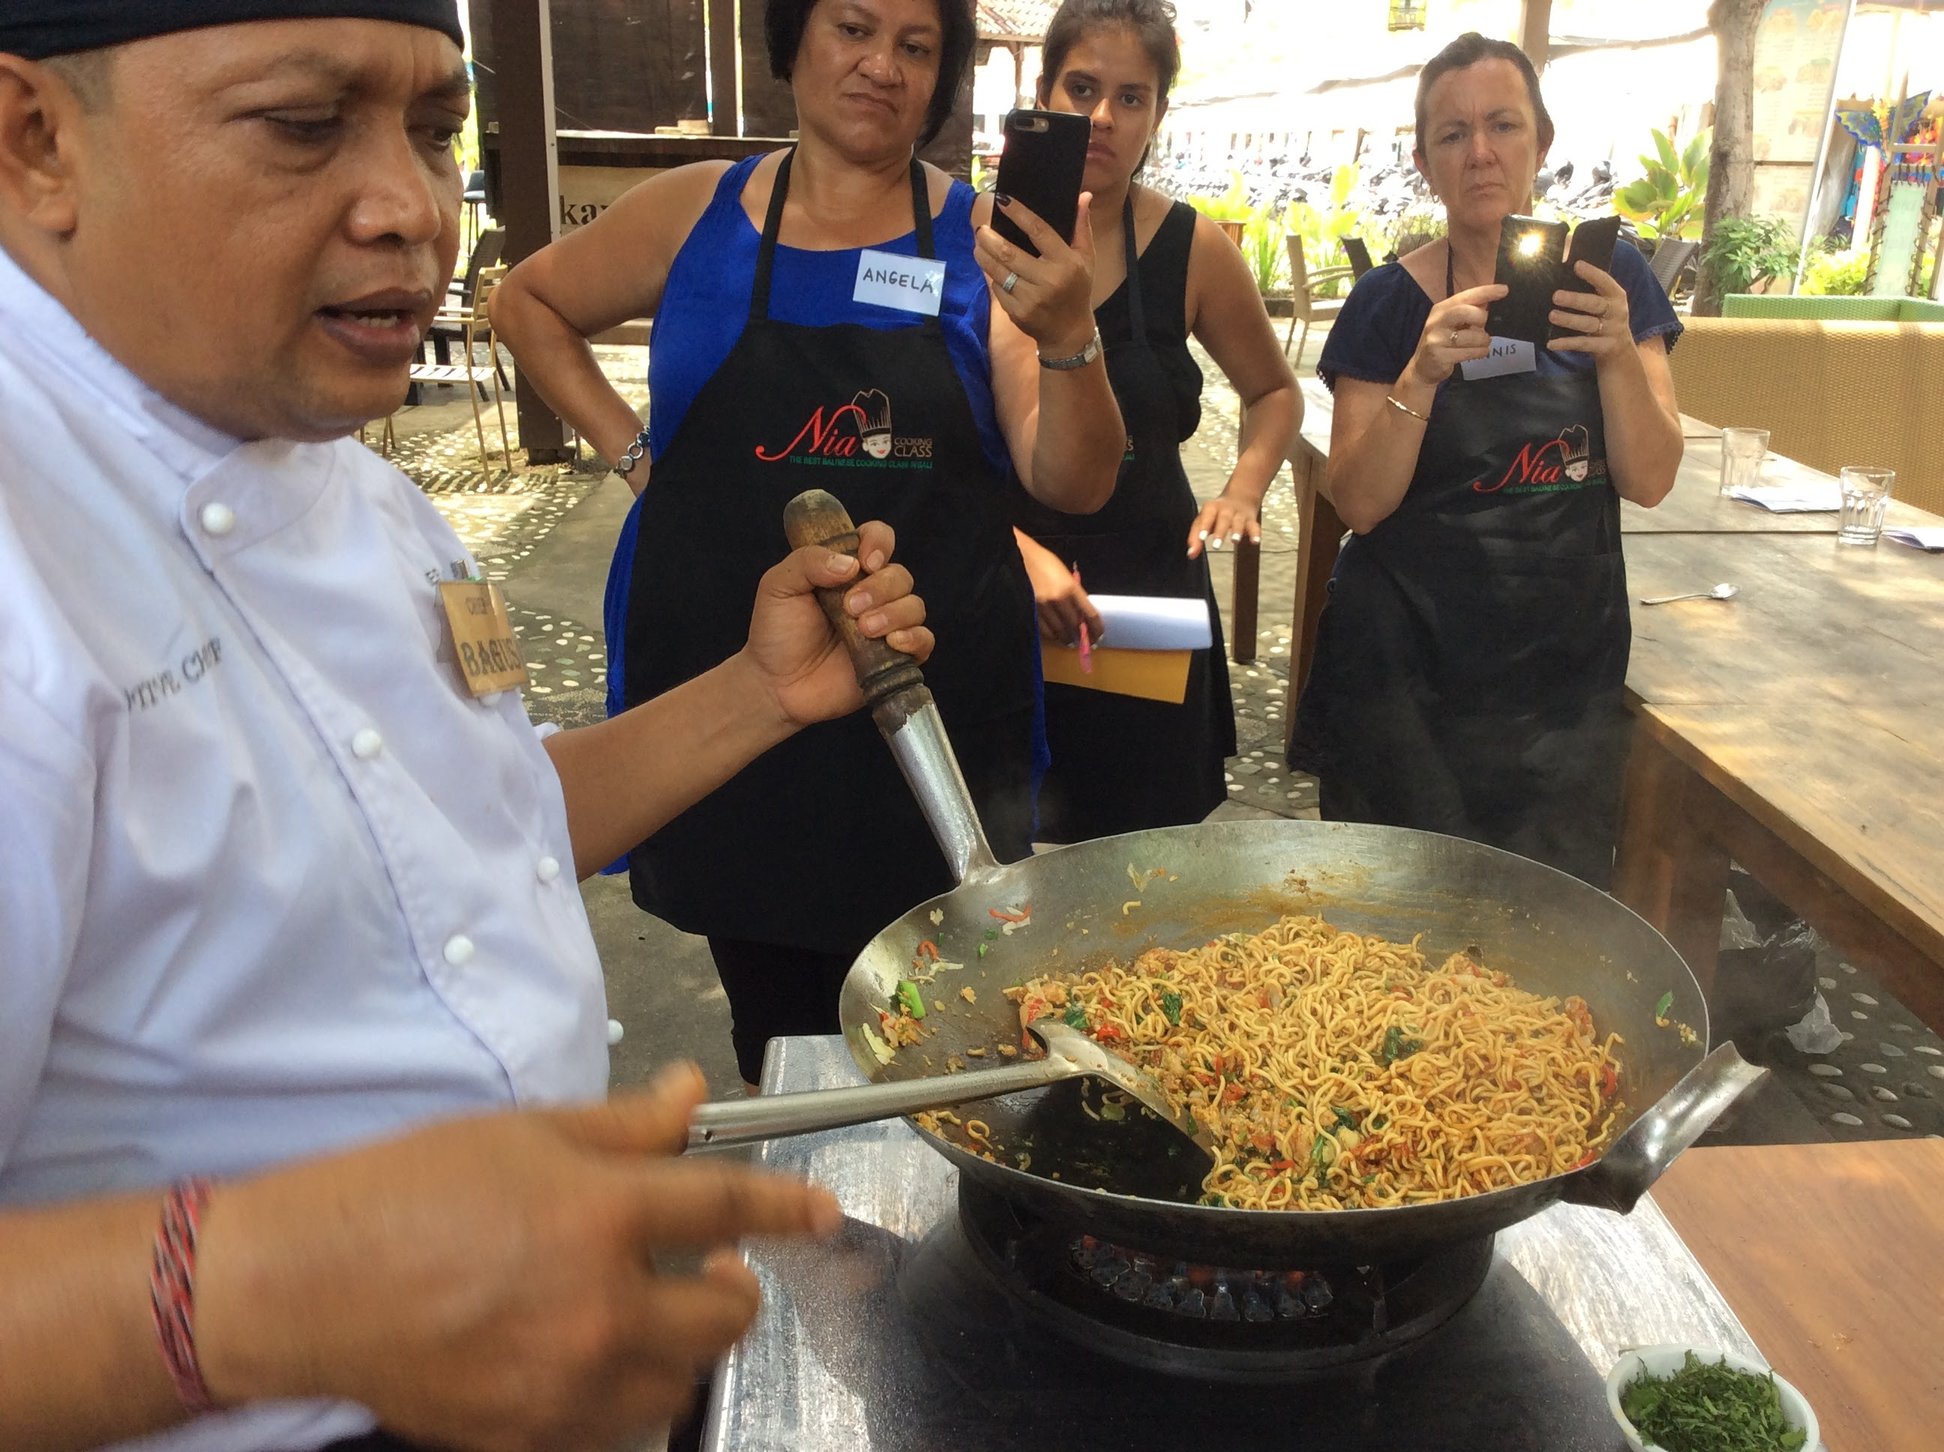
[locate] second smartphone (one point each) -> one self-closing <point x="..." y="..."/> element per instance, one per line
<point x="1042" y="167"/>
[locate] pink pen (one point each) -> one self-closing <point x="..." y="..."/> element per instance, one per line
<point x="1086" y="645"/>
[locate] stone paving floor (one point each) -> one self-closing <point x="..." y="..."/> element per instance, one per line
<point x="548" y="534"/>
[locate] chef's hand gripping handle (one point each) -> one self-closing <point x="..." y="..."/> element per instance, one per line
<point x="1643" y="1152"/>
<point x="893" y="685"/>
<point x="901" y="704"/>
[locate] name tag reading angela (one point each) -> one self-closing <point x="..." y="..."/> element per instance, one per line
<point x="483" y="641"/>
<point x="1508" y="355"/>
<point x="909" y="284"/>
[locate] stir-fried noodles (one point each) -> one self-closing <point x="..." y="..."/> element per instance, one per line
<point x="1337" y="1071"/>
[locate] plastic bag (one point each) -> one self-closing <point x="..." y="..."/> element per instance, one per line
<point x="1816" y="1031"/>
<point x="1762" y="983"/>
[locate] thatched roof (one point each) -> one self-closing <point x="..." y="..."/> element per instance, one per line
<point x="1014" y="19"/>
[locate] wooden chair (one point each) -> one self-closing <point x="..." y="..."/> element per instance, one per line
<point x="459" y="297"/>
<point x="476" y="331"/>
<point x="1305" y="306"/>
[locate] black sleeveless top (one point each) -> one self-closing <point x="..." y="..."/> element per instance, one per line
<point x="1164" y="300"/>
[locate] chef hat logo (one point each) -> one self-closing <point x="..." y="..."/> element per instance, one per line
<point x="1577" y="442"/>
<point x="873" y="413"/>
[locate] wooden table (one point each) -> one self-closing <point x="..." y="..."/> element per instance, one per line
<point x="1832" y="1255"/>
<point x="1799" y="731"/>
<point x="1696" y="506"/>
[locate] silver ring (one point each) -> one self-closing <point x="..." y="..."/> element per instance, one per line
<point x="1012" y="281"/>
<point x="1454" y="338"/>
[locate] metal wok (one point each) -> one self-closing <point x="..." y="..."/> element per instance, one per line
<point x="1178" y="887"/>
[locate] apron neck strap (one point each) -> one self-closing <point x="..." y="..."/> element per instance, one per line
<point x="921" y="217"/>
<point x="759" y="296"/>
<point x="1136" y="314"/>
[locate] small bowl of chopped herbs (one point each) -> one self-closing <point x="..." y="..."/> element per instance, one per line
<point x="1682" y="1399"/>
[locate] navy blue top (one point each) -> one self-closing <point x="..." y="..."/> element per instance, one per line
<point x="1383" y="318"/>
<point x="705" y="305"/>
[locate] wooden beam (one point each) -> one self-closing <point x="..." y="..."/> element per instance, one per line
<point x="529" y="177"/>
<point x="1535" y="31"/>
<point x="725" y="95"/>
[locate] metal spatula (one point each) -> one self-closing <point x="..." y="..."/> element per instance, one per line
<point x="1070" y="1054"/>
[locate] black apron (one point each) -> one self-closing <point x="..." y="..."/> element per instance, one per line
<point x="818" y="844"/>
<point x="1470" y="660"/>
<point x="1122" y="764"/>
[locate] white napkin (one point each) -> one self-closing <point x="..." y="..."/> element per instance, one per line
<point x="1154" y="622"/>
<point x="1931" y="538"/>
<point x="1798" y="496"/>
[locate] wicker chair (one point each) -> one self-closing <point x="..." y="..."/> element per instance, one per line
<point x="1305" y="306"/>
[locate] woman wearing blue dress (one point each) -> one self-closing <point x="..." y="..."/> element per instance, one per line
<point x="824" y="319"/>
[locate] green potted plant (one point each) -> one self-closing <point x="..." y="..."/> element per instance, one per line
<point x="1323" y="231"/>
<point x="1230" y="211"/>
<point x="1746" y="252"/>
<point x="1666" y="201"/>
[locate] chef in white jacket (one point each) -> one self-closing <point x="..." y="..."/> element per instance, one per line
<point x="292" y="960"/>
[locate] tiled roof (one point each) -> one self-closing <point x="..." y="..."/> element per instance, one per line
<point x="1014" y="19"/>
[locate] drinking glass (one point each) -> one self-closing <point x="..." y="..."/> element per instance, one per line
<point x="1741" y="457"/>
<point x="1866" y="494"/>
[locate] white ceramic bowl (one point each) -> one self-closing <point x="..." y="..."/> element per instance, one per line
<point x="1661" y="1360"/>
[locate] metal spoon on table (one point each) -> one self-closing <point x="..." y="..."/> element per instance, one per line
<point x="1070" y="1054"/>
<point x="1722" y="591"/>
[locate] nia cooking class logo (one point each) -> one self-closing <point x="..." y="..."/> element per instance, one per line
<point x="854" y="435"/>
<point x="1549" y="466"/>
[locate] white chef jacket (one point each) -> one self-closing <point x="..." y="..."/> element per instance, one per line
<point x="271" y="881"/>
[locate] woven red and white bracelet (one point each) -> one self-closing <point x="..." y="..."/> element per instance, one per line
<point x="172" y="1290"/>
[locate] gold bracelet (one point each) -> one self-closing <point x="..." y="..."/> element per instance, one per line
<point x="1406" y="408"/>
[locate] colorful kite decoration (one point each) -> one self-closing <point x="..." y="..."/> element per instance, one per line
<point x="1892" y="127"/>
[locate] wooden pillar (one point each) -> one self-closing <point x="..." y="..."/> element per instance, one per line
<point x="1535" y="31"/>
<point x="725" y="96"/>
<point x="529" y="178"/>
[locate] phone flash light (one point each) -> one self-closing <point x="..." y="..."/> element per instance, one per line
<point x="1530" y="244"/>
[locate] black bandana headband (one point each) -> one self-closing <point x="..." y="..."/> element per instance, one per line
<point x="37" y="29"/>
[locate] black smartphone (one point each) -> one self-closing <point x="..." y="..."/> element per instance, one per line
<point x="1592" y="242"/>
<point x="1041" y="167"/>
<point x="1529" y="255"/>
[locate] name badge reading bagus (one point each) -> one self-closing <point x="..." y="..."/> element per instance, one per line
<point x="483" y="641"/>
<point x="909" y="284"/>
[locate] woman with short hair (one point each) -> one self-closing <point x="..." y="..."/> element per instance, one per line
<point x="1469" y="664"/>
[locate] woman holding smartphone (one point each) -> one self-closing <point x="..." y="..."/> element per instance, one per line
<point x="1161" y="274"/>
<point x="1470" y="660"/>
<point x="836" y="315"/>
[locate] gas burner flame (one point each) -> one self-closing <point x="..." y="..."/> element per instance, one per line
<point x="1200" y="1292"/>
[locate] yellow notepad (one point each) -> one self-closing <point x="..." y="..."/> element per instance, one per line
<point x="1154" y="675"/>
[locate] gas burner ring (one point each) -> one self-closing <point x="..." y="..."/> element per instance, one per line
<point x="1164" y="1314"/>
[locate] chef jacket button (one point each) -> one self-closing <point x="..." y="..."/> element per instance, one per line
<point x="217" y="519"/>
<point x="459" y="950"/>
<point x="547" y="868"/>
<point x="367" y="744"/>
<point x="615" y="1031"/>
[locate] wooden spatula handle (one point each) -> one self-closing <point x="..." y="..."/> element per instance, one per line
<point x="893" y="685"/>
